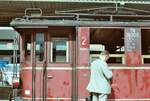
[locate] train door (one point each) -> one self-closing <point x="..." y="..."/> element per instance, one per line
<point x="53" y="63"/>
<point x="33" y="62"/>
<point x="39" y="65"/>
<point x="60" y="57"/>
<point x="47" y="61"/>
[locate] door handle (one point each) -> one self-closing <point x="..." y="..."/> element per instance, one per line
<point x="50" y="77"/>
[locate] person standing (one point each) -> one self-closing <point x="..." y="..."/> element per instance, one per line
<point x="99" y="84"/>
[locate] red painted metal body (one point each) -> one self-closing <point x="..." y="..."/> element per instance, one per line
<point x="132" y="81"/>
<point x="131" y="84"/>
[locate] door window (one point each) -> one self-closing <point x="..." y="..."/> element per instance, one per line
<point x="39" y="47"/>
<point x="59" y="50"/>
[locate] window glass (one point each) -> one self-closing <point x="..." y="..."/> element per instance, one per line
<point x="27" y="47"/>
<point x="107" y="39"/>
<point x="39" y="46"/>
<point x="59" y="50"/>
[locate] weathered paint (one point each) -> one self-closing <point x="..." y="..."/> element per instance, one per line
<point x="83" y="80"/>
<point x="83" y="46"/>
<point x="133" y="46"/>
<point x="133" y="58"/>
<point x="26" y="77"/>
<point x="59" y="86"/>
<point x="83" y="60"/>
<point x="131" y="84"/>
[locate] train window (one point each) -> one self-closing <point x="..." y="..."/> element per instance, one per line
<point x="145" y="35"/>
<point x="107" y="39"/>
<point x="27" y="47"/>
<point x="59" y="50"/>
<point x="39" y="46"/>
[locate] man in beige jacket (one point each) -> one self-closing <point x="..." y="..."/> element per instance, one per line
<point x="99" y="84"/>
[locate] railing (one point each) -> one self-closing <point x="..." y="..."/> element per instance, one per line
<point x="33" y="12"/>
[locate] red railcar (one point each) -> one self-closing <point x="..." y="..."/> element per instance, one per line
<point x="56" y="52"/>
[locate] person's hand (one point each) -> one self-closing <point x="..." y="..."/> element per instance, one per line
<point x="114" y="85"/>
